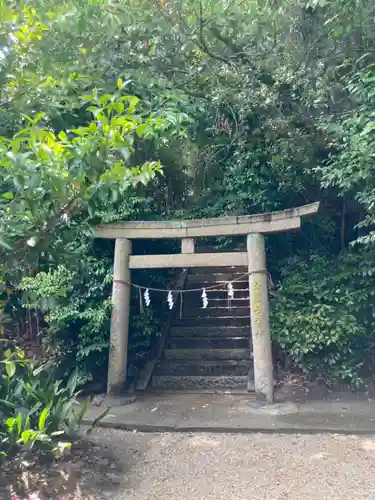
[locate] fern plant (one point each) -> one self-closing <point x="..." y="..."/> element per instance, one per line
<point x="35" y="409"/>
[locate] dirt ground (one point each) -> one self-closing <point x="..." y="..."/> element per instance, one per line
<point x="181" y="466"/>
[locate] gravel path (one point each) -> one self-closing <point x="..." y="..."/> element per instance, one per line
<point x="135" y="466"/>
<point x="244" y="467"/>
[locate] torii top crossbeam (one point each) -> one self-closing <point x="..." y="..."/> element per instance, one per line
<point x="271" y="222"/>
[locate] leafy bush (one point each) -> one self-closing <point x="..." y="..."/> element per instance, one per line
<point x="76" y="304"/>
<point x="351" y="168"/>
<point x="323" y="313"/>
<point x="142" y="328"/>
<point x="35" y="410"/>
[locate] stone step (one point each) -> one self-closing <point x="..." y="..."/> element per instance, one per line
<point x="199" y="312"/>
<point x="217" y="298"/>
<point x="207" y="354"/>
<point x="201" y="382"/>
<point x="218" y="270"/>
<point x="212" y="321"/>
<point x="198" y="367"/>
<point x="195" y="289"/>
<point x="211" y="331"/>
<point x="195" y="300"/>
<point x="208" y="343"/>
<point x="217" y="278"/>
<point x="220" y="288"/>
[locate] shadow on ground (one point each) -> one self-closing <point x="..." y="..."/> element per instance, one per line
<point x="92" y="470"/>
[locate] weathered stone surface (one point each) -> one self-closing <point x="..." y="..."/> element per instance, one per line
<point x="200" y="382"/>
<point x="223" y="320"/>
<point x="123" y="230"/>
<point x="208" y="343"/>
<point x="232" y="225"/>
<point x="211" y="312"/>
<point x="207" y="354"/>
<point x="218" y="302"/>
<point x="108" y="400"/>
<point x="222" y="277"/>
<point x="269" y="226"/>
<point x="198" y="367"/>
<point x="210" y="331"/>
<point x="187" y="245"/>
<point x="219" y="293"/>
<point x="118" y="352"/>
<point x="260" y="326"/>
<point x="233" y="270"/>
<point x="185" y="260"/>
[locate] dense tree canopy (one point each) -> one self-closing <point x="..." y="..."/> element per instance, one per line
<point x="137" y="109"/>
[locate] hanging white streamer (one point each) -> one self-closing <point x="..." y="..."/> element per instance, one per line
<point x="204" y="299"/>
<point x="170" y="300"/>
<point x="147" y="297"/>
<point x="230" y="291"/>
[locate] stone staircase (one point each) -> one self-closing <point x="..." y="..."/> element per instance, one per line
<point x="209" y="349"/>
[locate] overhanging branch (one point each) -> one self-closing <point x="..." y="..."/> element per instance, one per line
<point x="237" y="53"/>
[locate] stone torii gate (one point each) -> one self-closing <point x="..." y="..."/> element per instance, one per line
<point x="253" y="226"/>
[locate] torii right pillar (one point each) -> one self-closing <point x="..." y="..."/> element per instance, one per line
<point x="260" y="322"/>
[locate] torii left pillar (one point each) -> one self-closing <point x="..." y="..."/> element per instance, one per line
<point x="118" y="353"/>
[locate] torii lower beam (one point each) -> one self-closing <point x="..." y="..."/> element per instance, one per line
<point x="186" y="260"/>
<point x="254" y="226"/>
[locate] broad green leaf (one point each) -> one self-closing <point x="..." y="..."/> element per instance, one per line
<point x="43" y="417"/>
<point x="120" y="107"/>
<point x="7" y="196"/>
<point x="93" y="128"/>
<point x="62" y="136"/>
<point x="10" y="423"/>
<point x="141" y="129"/>
<point x="133" y="104"/>
<point x="104" y="99"/>
<point x="18" y="421"/>
<point x="10" y="368"/>
<point x="20" y="36"/>
<point x="27" y="436"/>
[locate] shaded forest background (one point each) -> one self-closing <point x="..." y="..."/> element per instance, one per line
<point x="136" y="109"/>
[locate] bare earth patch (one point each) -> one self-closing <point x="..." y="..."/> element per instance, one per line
<point x="82" y="474"/>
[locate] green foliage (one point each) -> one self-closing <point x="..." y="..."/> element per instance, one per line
<point x="351" y="169"/>
<point x="51" y="177"/>
<point x="76" y="304"/>
<point x="323" y="313"/>
<point x="35" y="410"/>
<point x="144" y="327"/>
<point x="66" y="155"/>
<point x="72" y="140"/>
<point x="77" y="308"/>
